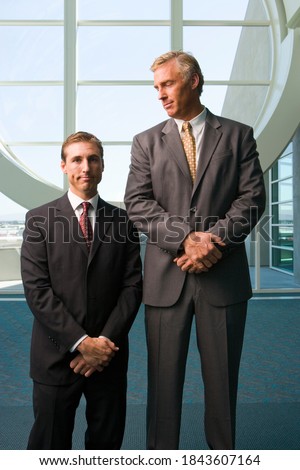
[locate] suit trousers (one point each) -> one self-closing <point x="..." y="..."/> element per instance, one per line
<point x="220" y="333"/>
<point x="55" y="409"/>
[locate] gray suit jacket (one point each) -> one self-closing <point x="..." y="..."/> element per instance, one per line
<point x="71" y="292"/>
<point x="227" y="199"/>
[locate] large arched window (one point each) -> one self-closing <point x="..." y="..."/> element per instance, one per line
<point x="85" y="64"/>
<point x="70" y="65"/>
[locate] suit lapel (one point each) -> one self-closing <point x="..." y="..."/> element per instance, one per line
<point x="71" y="225"/>
<point x="104" y="219"/>
<point x="210" y="140"/>
<point x="172" y="140"/>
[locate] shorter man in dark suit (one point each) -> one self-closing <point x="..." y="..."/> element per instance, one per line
<point x="84" y="294"/>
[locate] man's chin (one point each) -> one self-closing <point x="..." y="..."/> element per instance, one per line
<point x="87" y="188"/>
<point x="171" y="112"/>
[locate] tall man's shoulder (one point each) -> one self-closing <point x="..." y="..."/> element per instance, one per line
<point x="154" y="129"/>
<point x="216" y="120"/>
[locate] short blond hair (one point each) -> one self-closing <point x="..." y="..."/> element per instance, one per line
<point x="187" y="63"/>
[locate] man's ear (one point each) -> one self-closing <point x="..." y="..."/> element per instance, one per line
<point x="63" y="166"/>
<point x="195" y="80"/>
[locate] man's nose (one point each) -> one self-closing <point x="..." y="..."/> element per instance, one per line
<point x="85" y="165"/>
<point x="160" y="94"/>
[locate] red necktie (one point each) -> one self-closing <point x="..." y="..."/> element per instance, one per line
<point x="85" y="224"/>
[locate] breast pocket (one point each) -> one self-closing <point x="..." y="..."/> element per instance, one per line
<point x="226" y="155"/>
<point x="222" y="168"/>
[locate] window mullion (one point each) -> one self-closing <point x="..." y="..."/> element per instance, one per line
<point x="70" y="69"/>
<point x="176" y="25"/>
<point x="70" y="66"/>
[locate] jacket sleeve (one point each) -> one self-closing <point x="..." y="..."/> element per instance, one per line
<point x="161" y="227"/>
<point x="249" y="202"/>
<point x="129" y="299"/>
<point x="47" y="308"/>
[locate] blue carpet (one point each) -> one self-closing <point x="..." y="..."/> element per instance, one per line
<point x="260" y="426"/>
<point x="269" y="391"/>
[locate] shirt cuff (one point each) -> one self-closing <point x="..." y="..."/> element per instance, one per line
<point x="77" y="343"/>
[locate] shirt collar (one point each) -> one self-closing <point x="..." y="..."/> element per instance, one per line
<point x="75" y="200"/>
<point x="197" y="122"/>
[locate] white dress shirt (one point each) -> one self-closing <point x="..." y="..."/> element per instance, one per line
<point x="76" y="202"/>
<point x="197" y="124"/>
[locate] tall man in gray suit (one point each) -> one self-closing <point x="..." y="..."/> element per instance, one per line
<point x="196" y="221"/>
<point x="84" y="295"/>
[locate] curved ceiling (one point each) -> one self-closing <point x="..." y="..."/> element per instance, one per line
<point x="14" y="174"/>
<point x="280" y="116"/>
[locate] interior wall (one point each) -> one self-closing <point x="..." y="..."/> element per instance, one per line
<point x="296" y="196"/>
<point x="245" y="103"/>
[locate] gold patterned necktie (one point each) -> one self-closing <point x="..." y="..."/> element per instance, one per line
<point x="85" y="224"/>
<point x="189" y="145"/>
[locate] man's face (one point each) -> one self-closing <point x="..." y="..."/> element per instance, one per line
<point x="84" y="168"/>
<point x="179" y="98"/>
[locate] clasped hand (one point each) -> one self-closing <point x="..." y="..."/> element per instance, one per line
<point x="95" y="354"/>
<point x="200" y="252"/>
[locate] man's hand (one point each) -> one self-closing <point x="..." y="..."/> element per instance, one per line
<point x="200" y="252"/>
<point x="79" y="366"/>
<point x="186" y="264"/>
<point x="97" y="351"/>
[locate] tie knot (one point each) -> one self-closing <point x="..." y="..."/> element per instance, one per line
<point x="86" y="206"/>
<point x="186" y="126"/>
